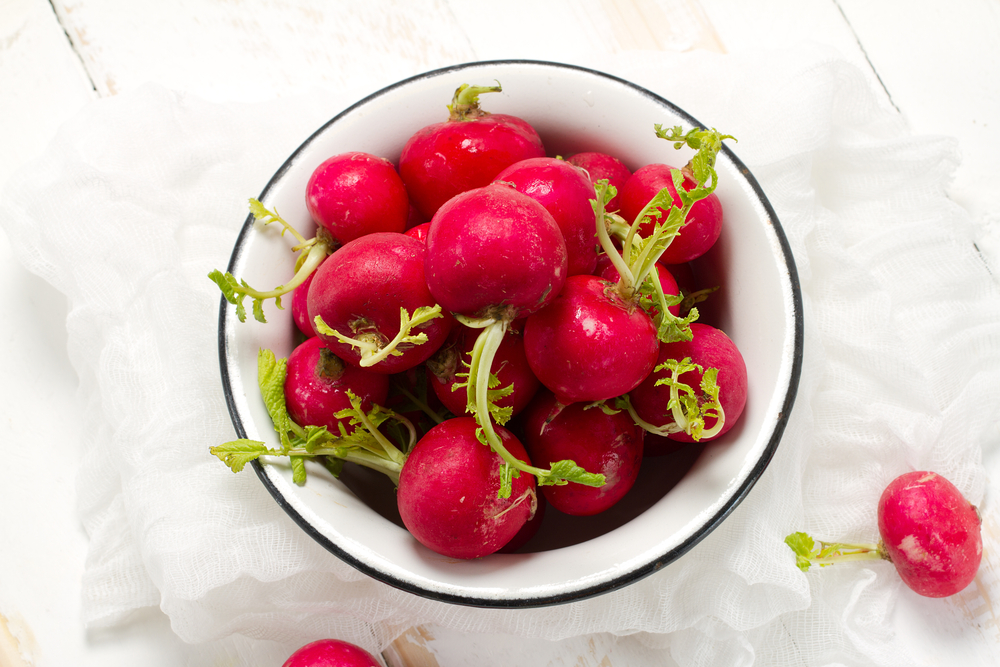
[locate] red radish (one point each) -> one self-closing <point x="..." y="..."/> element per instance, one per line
<point x="509" y="365"/>
<point x="300" y="309"/>
<point x="369" y="295"/>
<point x="703" y="225"/>
<point x="318" y="381"/>
<point x="678" y="405"/>
<point x="494" y="253"/>
<point x="353" y="194"/>
<point x="464" y="152"/>
<point x="603" y="166"/>
<point x="931" y="533"/>
<point x="448" y="491"/>
<point x="606" y="269"/>
<point x="596" y="438"/>
<point x="590" y="344"/>
<point x="419" y="232"/>
<point x="331" y="653"/>
<point x="566" y="192"/>
<point x="928" y="530"/>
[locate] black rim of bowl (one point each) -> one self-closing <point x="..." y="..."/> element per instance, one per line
<point x="589" y="591"/>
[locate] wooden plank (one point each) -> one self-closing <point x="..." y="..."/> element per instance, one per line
<point x="43" y="80"/>
<point x="258" y="49"/>
<point x="940" y="64"/>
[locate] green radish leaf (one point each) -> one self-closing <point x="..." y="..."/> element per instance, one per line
<point x="565" y="471"/>
<point x="237" y="453"/>
<point x="802" y="545"/>
<point x="298" y="469"/>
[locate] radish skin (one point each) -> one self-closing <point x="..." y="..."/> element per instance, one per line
<point x="331" y="653"/>
<point x="931" y="533"/>
<point x="448" y="491"/>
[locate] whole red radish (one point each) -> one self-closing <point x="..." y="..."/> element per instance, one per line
<point x="693" y="415"/>
<point x="317" y="383"/>
<point x="603" y="166"/>
<point x="928" y="530"/>
<point x="331" y="653"/>
<point x="931" y="533"/>
<point x="702" y="227"/>
<point x="566" y="192"/>
<point x="465" y="151"/>
<point x="496" y="253"/>
<point x="448" y="491"/>
<point x="510" y="366"/>
<point x="598" y="439"/>
<point x="353" y="194"/>
<point x="366" y="291"/>
<point x="590" y="344"/>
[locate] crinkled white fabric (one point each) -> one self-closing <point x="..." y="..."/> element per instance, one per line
<point x="142" y="194"/>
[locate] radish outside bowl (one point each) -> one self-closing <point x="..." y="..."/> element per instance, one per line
<point x="679" y="499"/>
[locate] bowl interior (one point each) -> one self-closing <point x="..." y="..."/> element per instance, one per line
<point x="574" y="110"/>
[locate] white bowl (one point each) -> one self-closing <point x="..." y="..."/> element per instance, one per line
<point x="759" y="307"/>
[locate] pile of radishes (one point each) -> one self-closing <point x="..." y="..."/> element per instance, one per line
<point x="484" y="321"/>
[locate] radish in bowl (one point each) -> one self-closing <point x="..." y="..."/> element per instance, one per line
<point x="757" y="305"/>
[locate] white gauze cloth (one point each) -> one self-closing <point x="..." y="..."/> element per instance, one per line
<point x="141" y="195"/>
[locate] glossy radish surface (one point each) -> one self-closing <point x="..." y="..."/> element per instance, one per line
<point x="589" y="344"/>
<point x="448" y="492"/>
<point x="566" y="192"/>
<point x="931" y="533"/>
<point x="331" y="653"/>
<point x="464" y="152"/>
<point x="710" y="348"/>
<point x="494" y="252"/>
<point x="359" y="291"/>
<point x="704" y="223"/>
<point x="318" y="381"/>
<point x="353" y="194"/>
<point x="601" y="440"/>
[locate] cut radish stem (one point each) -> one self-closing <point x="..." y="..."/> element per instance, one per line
<point x="235" y="291"/>
<point x="464" y="152"/>
<point x="929" y="531"/>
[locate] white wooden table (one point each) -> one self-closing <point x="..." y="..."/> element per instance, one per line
<point x="938" y="65"/>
